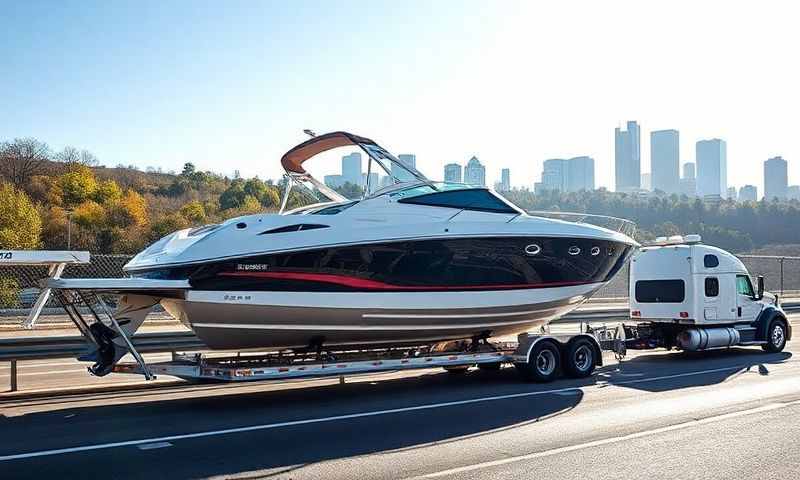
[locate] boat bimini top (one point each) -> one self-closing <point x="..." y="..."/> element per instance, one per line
<point x="292" y="162"/>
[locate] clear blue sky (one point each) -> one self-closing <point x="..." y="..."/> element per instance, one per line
<point x="231" y="85"/>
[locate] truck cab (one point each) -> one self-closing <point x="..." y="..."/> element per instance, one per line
<point x="694" y="296"/>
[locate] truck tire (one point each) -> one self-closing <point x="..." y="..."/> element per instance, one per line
<point x="776" y="336"/>
<point x="579" y="358"/>
<point x="543" y="363"/>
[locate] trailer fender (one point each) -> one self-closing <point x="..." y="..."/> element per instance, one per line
<point x="765" y="318"/>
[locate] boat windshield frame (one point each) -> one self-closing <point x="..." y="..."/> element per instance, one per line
<point x="293" y="160"/>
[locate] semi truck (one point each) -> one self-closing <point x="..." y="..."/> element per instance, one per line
<point x="691" y="296"/>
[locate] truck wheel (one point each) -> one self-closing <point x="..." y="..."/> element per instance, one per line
<point x="776" y="337"/>
<point x="579" y="361"/>
<point x="543" y="363"/>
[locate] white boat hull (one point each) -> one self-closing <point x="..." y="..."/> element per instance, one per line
<point x="281" y="320"/>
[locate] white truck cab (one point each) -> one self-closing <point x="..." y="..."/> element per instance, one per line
<point x="693" y="296"/>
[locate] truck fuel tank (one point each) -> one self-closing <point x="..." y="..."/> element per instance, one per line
<point x="694" y="339"/>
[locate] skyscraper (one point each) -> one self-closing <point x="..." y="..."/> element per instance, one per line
<point x="475" y="172"/>
<point x="627" y="156"/>
<point x="505" y="180"/>
<point x="351" y="168"/>
<point x="333" y="181"/>
<point x="570" y="175"/>
<point x="580" y="174"/>
<point x="688" y="170"/>
<point x="712" y="167"/>
<point x="407" y="159"/>
<point x="374" y="181"/>
<point x="732" y="195"/>
<point x="646" y="182"/>
<point x="665" y="160"/>
<point x="554" y="174"/>
<point x="452" y="173"/>
<point x="793" y="192"/>
<point x="776" y="179"/>
<point x="748" y="193"/>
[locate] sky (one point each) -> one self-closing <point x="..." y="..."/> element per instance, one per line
<point x="231" y="85"/>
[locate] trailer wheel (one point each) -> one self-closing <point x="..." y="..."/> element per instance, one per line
<point x="579" y="358"/>
<point x="776" y="337"/>
<point x="543" y="363"/>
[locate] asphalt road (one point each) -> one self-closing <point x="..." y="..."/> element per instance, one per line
<point x="725" y="414"/>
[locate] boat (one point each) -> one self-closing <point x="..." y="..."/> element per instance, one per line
<point x="413" y="262"/>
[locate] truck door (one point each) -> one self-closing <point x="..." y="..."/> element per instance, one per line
<point x="747" y="308"/>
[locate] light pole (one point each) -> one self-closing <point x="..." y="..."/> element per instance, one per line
<point x="69" y="229"/>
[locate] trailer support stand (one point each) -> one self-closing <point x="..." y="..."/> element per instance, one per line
<point x="13" y="374"/>
<point x="54" y="271"/>
<point x="136" y="355"/>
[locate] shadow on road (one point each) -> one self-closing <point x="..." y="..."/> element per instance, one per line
<point x="154" y="414"/>
<point x="688" y="369"/>
<point x="281" y="447"/>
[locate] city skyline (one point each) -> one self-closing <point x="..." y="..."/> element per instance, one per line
<point x="132" y="95"/>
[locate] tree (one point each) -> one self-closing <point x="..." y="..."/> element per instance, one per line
<point x="194" y="212"/>
<point x="350" y="190"/>
<point x="20" y="224"/>
<point x="128" y="211"/>
<point x="89" y="214"/>
<point x="23" y="158"/>
<point x="77" y="185"/>
<point x="107" y="192"/>
<point x="233" y="196"/>
<point x="73" y="156"/>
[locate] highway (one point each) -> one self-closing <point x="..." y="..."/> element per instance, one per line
<point x="724" y="414"/>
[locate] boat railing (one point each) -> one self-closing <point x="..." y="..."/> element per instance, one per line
<point x="621" y="225"/>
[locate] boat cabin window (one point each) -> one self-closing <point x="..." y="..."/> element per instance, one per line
<point x="474" y="199"/>
<point x="743" y="286"/>
<point x="710" y="261"/>
<point x="712" y="286"/>
<point x="660" y="291"/>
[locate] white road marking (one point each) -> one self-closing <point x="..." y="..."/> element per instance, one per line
<point x="569" y="393"/>
<point x="153" y="446"/>
<point x="269" y="426"/>
<point x="607" y="441"/>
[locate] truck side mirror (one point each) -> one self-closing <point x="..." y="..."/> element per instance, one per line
<point x="760" y="293"/>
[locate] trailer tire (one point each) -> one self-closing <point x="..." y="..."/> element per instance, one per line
<point x="579" y="358"/>
<point x="776" y="336"/>
<point x="543" y="363"/>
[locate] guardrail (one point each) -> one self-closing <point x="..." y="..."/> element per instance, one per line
<point x="38" y="348"/>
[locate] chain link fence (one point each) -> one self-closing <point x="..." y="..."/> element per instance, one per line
<point x="19" y="285"/>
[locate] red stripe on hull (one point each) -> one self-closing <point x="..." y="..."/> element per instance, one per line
<point x="367" y="284"/>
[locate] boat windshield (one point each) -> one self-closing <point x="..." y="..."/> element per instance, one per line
<point x="452" y="195"/>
